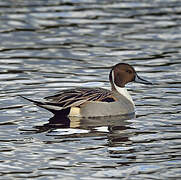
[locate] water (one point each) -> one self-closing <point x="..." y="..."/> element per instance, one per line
<point x="47" y="46"/>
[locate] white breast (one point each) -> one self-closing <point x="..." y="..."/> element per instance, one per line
<point x="125" y="93"/>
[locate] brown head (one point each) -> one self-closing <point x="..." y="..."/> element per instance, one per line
<point x="123" y="73"/>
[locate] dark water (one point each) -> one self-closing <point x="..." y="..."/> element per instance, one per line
<point x="46" y="46"/>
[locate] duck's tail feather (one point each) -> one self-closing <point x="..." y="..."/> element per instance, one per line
<point x="33" y="101"/>
<point x="52" y="107"/>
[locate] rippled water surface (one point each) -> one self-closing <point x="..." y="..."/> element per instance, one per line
<point x="47" y="46"/>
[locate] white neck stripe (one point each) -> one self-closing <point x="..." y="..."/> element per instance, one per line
<point x="122" y="90"/>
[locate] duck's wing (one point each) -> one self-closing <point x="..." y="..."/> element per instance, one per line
<point x="78" y="96"/>
<point x="64" y="100"/>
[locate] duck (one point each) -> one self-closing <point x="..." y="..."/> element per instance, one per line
<point x="96" y="102"/>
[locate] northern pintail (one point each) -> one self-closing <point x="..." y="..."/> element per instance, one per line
<point x="95" y="102"/>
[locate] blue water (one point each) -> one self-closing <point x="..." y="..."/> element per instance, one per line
<point x="47" y="46"/>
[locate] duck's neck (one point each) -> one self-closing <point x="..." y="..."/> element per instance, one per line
<point x="121" y="90"/>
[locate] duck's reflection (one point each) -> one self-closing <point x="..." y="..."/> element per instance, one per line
<point x="113" y="124"/>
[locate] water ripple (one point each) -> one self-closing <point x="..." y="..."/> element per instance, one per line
<point x="47" y="46"/>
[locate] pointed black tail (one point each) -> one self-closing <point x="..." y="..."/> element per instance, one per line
<point x="33" y="101"/>
<point x="52" y="107"/>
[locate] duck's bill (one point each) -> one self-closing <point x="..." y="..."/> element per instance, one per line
<point x="142" y="81"/>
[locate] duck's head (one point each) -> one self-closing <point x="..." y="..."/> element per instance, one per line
<point x="123" y="73"/>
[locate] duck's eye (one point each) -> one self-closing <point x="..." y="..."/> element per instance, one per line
<point x="128" y="71"/>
